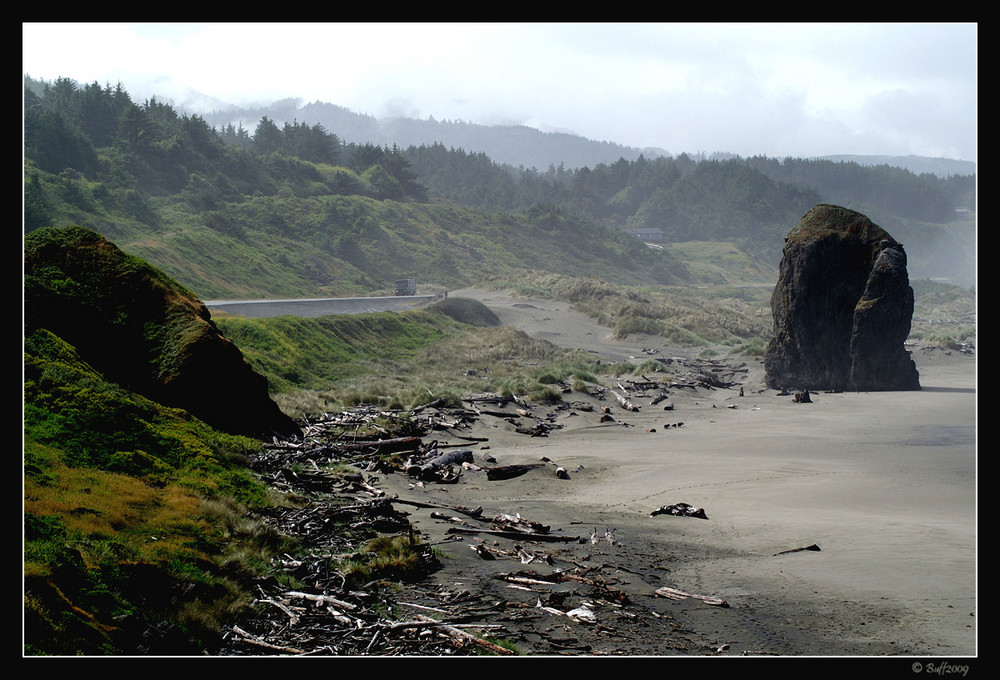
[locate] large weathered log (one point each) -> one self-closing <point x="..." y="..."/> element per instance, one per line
<point x="674" y="594"/>
<point x="506" y="522"/>
<point x="509" y="471"/>
<point x="450" y="458"/>
<point x="515" y="535"/>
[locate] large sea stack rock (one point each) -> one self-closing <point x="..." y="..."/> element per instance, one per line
<point x="143" y="330"/>
<point x="842" y="307"/>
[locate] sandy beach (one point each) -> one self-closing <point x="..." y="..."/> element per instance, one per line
<point x="884" y="484"/>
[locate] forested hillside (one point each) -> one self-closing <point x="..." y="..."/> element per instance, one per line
<point x="510" y="167"/>
<point x="293" y="210"/>
<point x="751" y="202"/>
<point x="288" y="211"/>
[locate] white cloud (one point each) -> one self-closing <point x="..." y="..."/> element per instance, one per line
<point x="774" y="89"/>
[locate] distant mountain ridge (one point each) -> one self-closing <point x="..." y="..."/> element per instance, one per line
<point x="511" y="144"/>
<point x="514" y="145"/>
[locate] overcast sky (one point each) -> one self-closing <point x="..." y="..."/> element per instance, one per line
<point x="771" y="89"/>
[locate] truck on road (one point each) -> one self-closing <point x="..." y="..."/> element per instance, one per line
<point x="406" y="286"/>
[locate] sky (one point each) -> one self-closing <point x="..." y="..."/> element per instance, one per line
<point x="784" y="89"/>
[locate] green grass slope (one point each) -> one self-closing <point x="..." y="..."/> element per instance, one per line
<point x="356" y="246"/>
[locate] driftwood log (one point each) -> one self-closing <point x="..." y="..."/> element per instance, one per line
<point x="812" y="547"/>
<point x="680" y="510"/>
<point x="516" y="535"/>
<point x="437" y="467"/>
<point x="456" y="457"/>
<point x="674" y="594"/>
<point x="510" y="471"/>
<point x="623" y="399"/>
<point x="505" y="522"/>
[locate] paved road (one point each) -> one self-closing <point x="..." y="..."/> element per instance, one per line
<point x="308" y="307"/>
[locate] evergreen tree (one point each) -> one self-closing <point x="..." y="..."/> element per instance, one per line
<point x="365" y="156"/>
<point x="267" y="137"/>
<point x="55" y="143"/>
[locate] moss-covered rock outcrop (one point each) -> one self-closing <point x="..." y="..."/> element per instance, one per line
<point x="142" y="330"/>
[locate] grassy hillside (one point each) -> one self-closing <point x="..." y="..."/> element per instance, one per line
<point x="689" y="315"/>
<point x="456" y="348"/>
<point x="136" y="536"/>
<point x="721" y="262"/>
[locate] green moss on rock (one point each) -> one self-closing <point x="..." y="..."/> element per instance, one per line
<point x="142" y="330"/>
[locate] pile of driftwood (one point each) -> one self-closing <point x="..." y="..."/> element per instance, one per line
<point x="332" y="476"/>
<point x="328" y="612"/>
<point x="380" y="440"/>
<point x="708" y="373"/>
<point x="305" y="623"/>
<point x="335" y="512"/>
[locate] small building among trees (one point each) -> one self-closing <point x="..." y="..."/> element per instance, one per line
<point x="648" y="234"/>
